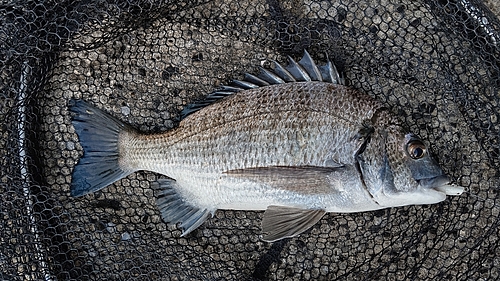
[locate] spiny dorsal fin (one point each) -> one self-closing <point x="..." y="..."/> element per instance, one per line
<point x="308" y="64"/>
<point x="305" y="70"/>
<point x="299" y="73"/>
<point x="270" y="77"/>
<point x="283" y="73"/>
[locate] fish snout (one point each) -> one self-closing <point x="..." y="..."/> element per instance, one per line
<point x="441" y="184"/>
<point x="434" y="182"/>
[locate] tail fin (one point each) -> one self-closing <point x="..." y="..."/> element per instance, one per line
<point x="99" y="135"/>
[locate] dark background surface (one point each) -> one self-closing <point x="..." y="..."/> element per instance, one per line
<point x="434" y="63"/>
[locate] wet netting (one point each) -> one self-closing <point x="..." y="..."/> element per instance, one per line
<point x="436" y="64"/>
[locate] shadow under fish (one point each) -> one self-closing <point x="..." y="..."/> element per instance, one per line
<point x="293" y="141"/>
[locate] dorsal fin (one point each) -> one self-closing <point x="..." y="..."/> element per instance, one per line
<point x="270" y="77"/>
<point x="311" y="68"/>
<point x="305" y="70"/>
<point x="283" y="73"/>
<point x="299" y="73"/>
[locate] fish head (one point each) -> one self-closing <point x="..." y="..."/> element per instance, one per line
<point x="397" y="169"/>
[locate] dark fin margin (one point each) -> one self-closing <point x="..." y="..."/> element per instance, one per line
<point x="98" y="133"/>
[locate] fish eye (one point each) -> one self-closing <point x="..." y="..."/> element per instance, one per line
<point x="416" y="149"/>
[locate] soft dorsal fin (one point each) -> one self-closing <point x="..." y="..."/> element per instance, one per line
<point x="305" y="70"/>
<point x="281" y="222"/>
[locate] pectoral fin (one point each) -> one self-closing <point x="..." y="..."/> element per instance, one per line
<point x="281" y="222"/>
<point x="300" y="179"/>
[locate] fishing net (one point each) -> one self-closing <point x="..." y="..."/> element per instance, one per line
<point x="433" y="63"/>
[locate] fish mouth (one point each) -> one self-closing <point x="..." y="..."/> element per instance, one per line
<point x="441" y="184"/>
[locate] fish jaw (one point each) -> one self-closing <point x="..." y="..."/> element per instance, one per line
<point x="441" y="184"/>
<point x="451" y="189"/>
<point x="419" y="196"/>
<point x="429" y="191"/>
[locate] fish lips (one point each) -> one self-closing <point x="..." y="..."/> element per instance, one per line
<point x="441" y="184"/>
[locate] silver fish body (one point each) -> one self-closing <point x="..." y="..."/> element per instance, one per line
<point x="286" y="129"/>
<point x="297" y="150"/>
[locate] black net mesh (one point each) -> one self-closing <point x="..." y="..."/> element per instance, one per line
<point x="433" y="63"/>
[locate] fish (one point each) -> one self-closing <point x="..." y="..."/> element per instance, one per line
<point x="293" y="141"/>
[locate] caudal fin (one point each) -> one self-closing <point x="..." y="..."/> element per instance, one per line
<point x="99" y="135"/>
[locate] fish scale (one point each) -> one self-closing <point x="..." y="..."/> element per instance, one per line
<point x="294" y="149"/>
<point x="252" y="137"/>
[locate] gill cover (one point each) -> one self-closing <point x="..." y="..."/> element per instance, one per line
<point x="397" y="169"/>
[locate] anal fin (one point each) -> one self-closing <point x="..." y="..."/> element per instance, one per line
<point x="174" y="209"/>
<point x="281" y="222"/>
